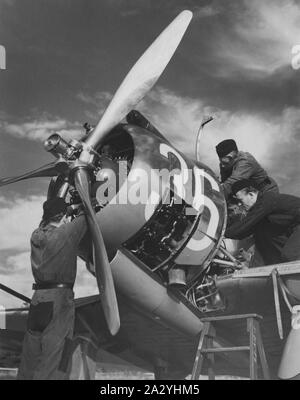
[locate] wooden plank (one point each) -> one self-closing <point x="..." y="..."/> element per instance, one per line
<point x="225" y="349"/>
<point x="230" y="317"/>
<point x="199" y="359"/>
<point x="211" y="361"/>
<point x="251" y="327"/>
<point x="261" y="352"/>
<point x="291" y="268"/>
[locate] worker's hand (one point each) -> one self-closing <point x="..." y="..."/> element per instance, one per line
<point x="96" y="206"/>
<point x="77" y="209"/>
<point x="74" y="210"/>
<point x="244" y="255"/>
<point x="244" y="258"/>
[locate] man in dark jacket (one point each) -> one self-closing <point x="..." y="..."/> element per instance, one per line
<point x="50" y="322"/>
<point x="236" y="165"/>
<point x="273" y="219"/>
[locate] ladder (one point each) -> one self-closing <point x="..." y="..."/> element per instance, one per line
<point x="206" y="351"/>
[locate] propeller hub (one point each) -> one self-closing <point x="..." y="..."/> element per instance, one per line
<point x="80" y="165"/>
<point x="87" y="155"/>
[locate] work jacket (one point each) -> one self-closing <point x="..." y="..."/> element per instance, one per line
<point x="246" y="167"/>
<point x="271" y="220"/>
<point x="54" y="251"/>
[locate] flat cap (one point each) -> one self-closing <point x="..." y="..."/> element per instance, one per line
<point x="242" y="184"/>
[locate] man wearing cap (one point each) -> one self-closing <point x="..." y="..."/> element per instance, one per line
<point x="236" y="165"/>
<point x="51" y="316"/>
<point x="273" y="219"/>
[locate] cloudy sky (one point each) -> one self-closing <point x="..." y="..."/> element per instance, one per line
<point x="65" y="59"/>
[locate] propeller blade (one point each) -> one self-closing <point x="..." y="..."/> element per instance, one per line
<point x="102" y="267"/>
<point x="51" y="169"/>
<point x="142" y="76"/>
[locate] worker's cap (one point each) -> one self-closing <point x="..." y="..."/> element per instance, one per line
<point x="243" y="184"/>
<point x="226" y="147"/>
<point x="54" y="206"/>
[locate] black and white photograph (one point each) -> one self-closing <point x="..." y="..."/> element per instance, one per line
<point x="149" y="192"/>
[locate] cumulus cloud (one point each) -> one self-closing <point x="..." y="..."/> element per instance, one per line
<point x="263" y="34"/>
<point x="15" y="272"/>
<point x="205" y="11"/>
<point x="98" y="101"/>
<point x="274" y="142"/>
<point x="41" y="129"/>
<point x="20" y="280"/>
<point x="19" y="262"/>
<point x="136" y="7"/>
<point x="19" y="217"/>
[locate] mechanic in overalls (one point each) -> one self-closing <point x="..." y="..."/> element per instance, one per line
<point x="273" y="219"/>
<point x="48" y="339"/>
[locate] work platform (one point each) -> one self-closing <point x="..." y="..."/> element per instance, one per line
<point x="206" y="352"/>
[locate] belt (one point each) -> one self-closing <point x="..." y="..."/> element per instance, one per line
<point x="40" y="286"/>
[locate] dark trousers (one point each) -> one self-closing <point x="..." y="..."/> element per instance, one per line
<point x="276" y="243"/>
<point x="49" y="334"/>
<point x="291" y="250"/>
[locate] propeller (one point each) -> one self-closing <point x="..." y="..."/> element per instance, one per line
<point x="102" y="266"/>
<point x="142" y="76"/>
<point x="51" y="169"/>
<point x="136" y="84"/>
